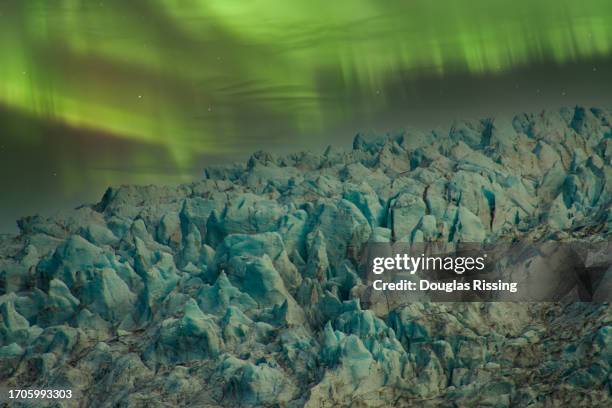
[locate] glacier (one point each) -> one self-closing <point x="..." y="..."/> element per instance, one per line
<point x="243" y="288"/>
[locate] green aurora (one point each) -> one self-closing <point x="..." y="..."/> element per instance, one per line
<point x="224" y="77"/>
<point x="144" y="70"/>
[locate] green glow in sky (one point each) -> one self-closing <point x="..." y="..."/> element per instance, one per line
<point x="196" y="76"/>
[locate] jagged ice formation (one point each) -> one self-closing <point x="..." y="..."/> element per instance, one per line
<point x="243" y="289"/>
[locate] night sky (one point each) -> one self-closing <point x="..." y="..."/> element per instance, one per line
<point x="99" y="93"/>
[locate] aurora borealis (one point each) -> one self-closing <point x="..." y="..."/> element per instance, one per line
<point x="111" y="92"/>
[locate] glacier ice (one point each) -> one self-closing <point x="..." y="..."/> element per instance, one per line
<point x="243" y="288"/>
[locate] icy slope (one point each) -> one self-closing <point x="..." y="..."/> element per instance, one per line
<point x="243" y="289"/>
